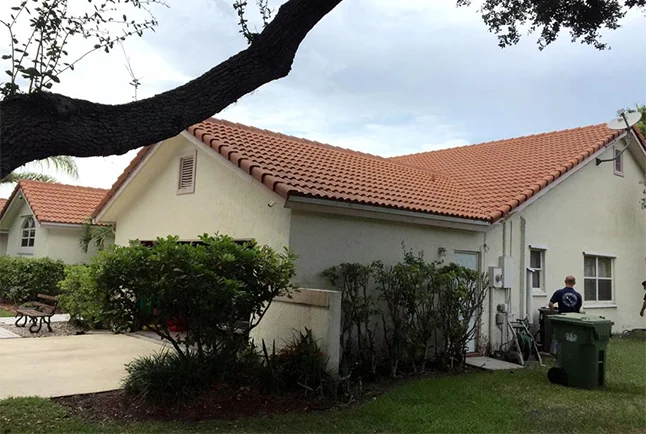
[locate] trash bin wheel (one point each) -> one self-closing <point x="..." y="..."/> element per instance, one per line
<point x="557" y="376"/>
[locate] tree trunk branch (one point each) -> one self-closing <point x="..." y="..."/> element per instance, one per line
<point x="40" y="125"/>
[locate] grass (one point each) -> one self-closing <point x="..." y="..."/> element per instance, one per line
<point x="523" y="401"/>
<point x="6" y="313"/>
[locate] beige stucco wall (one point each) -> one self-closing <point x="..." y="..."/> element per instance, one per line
<point x="313" y="309"/>
<point x="599" y="212"/>
<point x="3" y="243"/>
<point x="225" y="200"/>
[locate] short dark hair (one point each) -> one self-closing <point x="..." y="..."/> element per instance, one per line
<point x="644" y="283"/>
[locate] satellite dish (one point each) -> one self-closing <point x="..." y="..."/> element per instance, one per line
<point x="624" y="121"/>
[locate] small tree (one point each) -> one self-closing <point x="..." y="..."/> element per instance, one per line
<point x="357" y="310"/>
<point x="460" y="296"/>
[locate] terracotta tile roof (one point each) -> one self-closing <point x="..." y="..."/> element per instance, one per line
<point x="481" y="182"/>
<point x="503" y="174"/>
<point x="59" y="203"/>
<point x="294" y="166"/>
<point x="2" y="202"/>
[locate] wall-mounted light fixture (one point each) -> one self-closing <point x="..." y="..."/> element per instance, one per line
<point x="441" y="252"/>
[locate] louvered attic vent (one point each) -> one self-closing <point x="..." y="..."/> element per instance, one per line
<point x="186" y="175"/>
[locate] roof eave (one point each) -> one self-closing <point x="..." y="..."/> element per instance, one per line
<point x="297" y="201"/>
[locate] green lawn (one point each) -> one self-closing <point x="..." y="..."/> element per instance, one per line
<point x="523" y="401"/>
<point x="6" y="313"/>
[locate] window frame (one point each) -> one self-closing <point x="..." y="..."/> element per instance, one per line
<point x="180" y="161"/>
<point x="619" y="159"/>
<point x="31" y="234"/>
<point x="540" y="270"/>
<point x="596" y="302"/>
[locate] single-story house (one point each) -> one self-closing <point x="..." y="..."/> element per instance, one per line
<point x="534" y="208"/>
<point x="45" y="219"/>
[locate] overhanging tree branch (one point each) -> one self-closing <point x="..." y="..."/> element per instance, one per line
<point x="59" y="125"/>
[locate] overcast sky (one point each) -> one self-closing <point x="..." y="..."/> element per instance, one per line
<point x="380" y="76"/>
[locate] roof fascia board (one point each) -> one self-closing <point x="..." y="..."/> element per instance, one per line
<point x="230" y="166"/>
<point x="382" y="213"/>
<point x="61" y="225"/>
<point x="217" y="156"/>
<point x="129" y="179"/>
<point x="638" y="151"/>
<point x="19" y="192"/>
<point x="557" y="181"/>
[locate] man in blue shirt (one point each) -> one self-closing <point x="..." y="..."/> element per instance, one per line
<point x="567" y="298"/>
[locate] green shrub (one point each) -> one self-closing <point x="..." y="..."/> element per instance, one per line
<point x="22" y="279"/>
<point x="80" y="298"/>
<point x="300" y="365"/>
<point x="167" y="377"/>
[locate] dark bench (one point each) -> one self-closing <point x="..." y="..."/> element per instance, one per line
<point x="40" y="315"/>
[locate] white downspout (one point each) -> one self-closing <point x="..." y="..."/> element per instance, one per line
<point x="528" y="291"/>
<point x="522" y="281"/>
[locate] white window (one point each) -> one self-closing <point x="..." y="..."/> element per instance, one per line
<point x="597" y="273"/>
<point x="536" y="263"/>
<point x="619" y="162"/>
<point x="28" y="234"/>
<point x="186" y="182"/>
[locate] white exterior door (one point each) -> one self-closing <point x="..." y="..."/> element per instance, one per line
<point x="469" y="260"/>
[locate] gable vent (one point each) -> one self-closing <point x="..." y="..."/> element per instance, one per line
<point x="186" y="174"/>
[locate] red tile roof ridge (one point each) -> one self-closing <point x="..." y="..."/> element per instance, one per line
<point x="497" y="142"/>
<point x="59" y="184"/>
<point x="54" y="202"/>
<point x="290" y="137"/>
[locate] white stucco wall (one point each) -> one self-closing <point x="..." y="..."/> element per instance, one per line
<point x="63" y="244"/>
<point x="313" y="309"/>
<point x="599" y="212"/>
<point x="324" y="240"/>
<point x="15" y="230"/>
<point x="226" y="200"/>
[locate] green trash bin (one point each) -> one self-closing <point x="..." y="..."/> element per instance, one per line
<point x="581" y="357"/>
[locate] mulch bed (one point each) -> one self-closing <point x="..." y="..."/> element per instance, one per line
<point x="220" y="403"/>
<point x="59" y="329"/>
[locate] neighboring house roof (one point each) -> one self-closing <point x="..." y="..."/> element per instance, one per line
<point x="57" y="203"/>
<point x="2" y="202"/>
<point x="480" y="182"/>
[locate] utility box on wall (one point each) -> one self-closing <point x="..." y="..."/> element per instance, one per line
<point x="508" y="266"/>
<point x="495" y="277"/>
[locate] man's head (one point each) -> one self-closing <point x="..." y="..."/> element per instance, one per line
<point x="644" y="285"/>
<point x="570" y="281"/>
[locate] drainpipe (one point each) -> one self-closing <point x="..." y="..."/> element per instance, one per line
<point x="484" y="265"/>
<point x="522" y="284"/>
<point x="528" y="291"/>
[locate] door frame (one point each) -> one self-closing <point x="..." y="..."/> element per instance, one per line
<point x="475" y="342"/>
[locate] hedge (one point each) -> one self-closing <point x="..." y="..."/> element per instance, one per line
<point x="22" y="279"/>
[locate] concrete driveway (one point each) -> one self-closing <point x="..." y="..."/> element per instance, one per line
<point x="67" y="365"/>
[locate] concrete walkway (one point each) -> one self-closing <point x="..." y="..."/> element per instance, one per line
<point x="67" y="365"/>
<point x="491" y="364"/>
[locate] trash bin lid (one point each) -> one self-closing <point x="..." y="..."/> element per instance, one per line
<point x="580" y="319"/>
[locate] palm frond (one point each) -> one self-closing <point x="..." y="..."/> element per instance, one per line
<point x="61" y="163"/>
<point x="94" y="234"/>
<point x="14" y="177"/>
